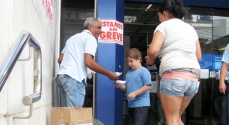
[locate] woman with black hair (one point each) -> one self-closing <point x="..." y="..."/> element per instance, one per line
<point x="176" y="44"/>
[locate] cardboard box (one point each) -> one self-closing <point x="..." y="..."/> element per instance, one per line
<point x="71" y="116"/>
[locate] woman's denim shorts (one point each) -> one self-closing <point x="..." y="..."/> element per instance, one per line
<point x="179" y="87"/>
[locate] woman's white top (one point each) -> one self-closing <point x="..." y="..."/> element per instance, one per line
<point x="179" y="47"/>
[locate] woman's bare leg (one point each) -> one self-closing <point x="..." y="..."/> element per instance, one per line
<point x="184" y="105"/>
<point x="172" y="107"/>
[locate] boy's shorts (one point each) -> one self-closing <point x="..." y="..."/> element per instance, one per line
<point x="137" y="115"/>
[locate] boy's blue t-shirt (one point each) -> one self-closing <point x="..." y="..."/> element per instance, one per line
<point x="136" y="79"/>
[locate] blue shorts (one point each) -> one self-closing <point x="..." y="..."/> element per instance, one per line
<point x="179" y="87"/>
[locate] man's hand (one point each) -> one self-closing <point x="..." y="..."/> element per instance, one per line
<point x="223" y="74"/>
<point x="222" y="87"/>
<point x="112" y="75"/>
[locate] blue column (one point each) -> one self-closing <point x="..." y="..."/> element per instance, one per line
<point x="109" y="100"/>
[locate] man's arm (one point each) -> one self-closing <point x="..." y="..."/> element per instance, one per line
<point x="60" y="58"/>
<point x="223" y="73"/>
<point x="90" y="63"/>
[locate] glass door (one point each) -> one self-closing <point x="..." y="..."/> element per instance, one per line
<point x="201" y="109"/>
<point x="74" y="13"/>
<point x="213" y="31"/>
<point x="220" y="35"/>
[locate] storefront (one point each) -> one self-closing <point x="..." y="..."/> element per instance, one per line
<point x="133" y="26"/>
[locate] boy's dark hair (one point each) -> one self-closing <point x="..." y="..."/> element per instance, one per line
<point x="174" y="7"/>
<point x="134" y="53"/>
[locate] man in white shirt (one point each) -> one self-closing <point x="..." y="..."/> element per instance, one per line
<point x="222" y="100"/>
<point x="79" y="52"/>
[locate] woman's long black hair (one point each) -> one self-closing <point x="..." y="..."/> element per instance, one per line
<point x="174" y="7"/>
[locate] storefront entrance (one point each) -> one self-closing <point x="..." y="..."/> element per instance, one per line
<point x="212" y="26"/>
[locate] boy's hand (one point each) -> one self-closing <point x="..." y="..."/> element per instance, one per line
<point x="116" y="85"/>
<point x="132" y="95"/>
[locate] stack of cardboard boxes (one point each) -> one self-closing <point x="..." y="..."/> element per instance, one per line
<point x="71" y="116"/>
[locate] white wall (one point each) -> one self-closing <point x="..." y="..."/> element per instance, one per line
<point x="30" y="15"/>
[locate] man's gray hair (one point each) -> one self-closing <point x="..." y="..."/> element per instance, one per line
<point x="90" y="20"/>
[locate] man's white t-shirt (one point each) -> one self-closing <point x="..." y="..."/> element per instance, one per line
<point x="179" y="47"/>
<point x="73" y="60"/>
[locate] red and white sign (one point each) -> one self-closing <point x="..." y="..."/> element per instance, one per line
<point x="112" y="32"/>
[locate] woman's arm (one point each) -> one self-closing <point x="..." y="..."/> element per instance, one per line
<point x="198" y="50"/>
<point x="158" y="90"/>
<point x="155" y="46"/>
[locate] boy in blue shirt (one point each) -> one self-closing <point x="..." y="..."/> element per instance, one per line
<point x="137" y="88"/>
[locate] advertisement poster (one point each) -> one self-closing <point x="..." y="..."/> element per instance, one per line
<point x="112" y="32"/>
<point x="211" y="62"/>
<point x="206" y="62"/>
<point x="217" y="62"/>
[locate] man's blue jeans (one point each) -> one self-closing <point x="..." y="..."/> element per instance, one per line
<point x="73" y="92"/>
<point x="220" y="104"/>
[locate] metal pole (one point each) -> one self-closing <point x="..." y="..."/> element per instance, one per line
<point x="94" y="75"/>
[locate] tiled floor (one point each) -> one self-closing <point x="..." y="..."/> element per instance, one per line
<point x="194" y="123"/>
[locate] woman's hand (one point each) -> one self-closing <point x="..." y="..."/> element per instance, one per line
<point x="149" y="61"/>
